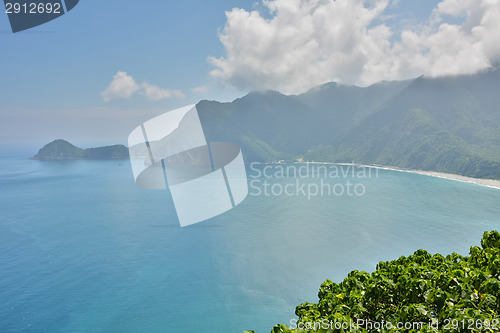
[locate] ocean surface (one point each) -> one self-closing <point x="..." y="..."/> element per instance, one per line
<point x="83" y="249"/>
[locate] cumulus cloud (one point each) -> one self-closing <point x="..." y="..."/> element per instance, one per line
<point x="308" y="42"/>
<point x="155" y="93"/>
<point x="124" y="86"/>
<point x="200" y="89"/>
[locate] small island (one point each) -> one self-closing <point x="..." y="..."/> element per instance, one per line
<point x="59" y="150"/>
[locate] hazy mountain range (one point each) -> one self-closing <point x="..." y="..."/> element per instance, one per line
<point x="442" y="124"/>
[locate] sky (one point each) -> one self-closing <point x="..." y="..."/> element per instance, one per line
<point x="94" y="74"/>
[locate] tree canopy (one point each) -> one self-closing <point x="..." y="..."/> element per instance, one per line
<point x="418" y="293"/>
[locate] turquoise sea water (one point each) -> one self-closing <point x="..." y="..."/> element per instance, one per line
<point x="83" y="249"/>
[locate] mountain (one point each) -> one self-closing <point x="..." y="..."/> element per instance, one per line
<point x="449" y="124"/>
<point x="63" y="150"/>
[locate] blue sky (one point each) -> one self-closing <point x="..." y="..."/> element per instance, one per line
<point x="76" y="56"/>
<point x="62" y="79"/>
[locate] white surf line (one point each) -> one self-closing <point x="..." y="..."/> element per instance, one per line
<point x="491" y="183"/>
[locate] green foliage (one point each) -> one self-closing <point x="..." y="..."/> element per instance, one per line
<point x="428" y="293"/>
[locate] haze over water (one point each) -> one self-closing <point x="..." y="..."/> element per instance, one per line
<point x="83" y="249"/>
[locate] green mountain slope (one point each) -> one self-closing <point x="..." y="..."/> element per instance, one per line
<point x="434" y="124"/>
<point x="448" y="124"/>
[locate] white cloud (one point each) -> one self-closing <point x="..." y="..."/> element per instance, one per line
<point x="155" y="93"/>
<point x="443" y="49"/>
<point x="122" y="86"/>
<point x="200" y="89"/>
<point x="309" y="42"/>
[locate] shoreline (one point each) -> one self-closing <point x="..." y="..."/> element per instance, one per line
<point x="492" y="183"/>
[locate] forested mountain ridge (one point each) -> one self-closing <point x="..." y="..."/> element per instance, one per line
<point x="447" y="124"/>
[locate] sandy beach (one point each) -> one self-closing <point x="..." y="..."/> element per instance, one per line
<point x="493" y="183"/>
<point x="479" y="181"/>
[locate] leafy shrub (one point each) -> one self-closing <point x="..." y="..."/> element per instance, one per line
<point x="420" y="293"/>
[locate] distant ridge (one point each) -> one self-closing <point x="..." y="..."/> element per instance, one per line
<point x="59" y="150"/>
<point x="449" y="124"/>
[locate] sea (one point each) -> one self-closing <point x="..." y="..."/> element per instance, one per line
<point x="84" y="249"/>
